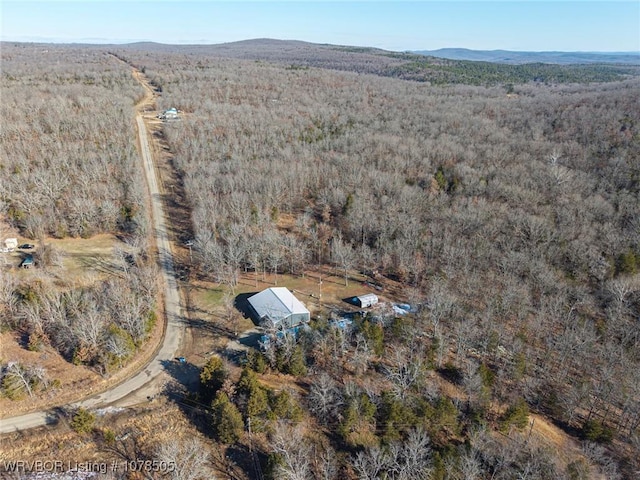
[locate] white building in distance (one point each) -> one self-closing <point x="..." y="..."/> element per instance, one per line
<point x="11" y="244"/>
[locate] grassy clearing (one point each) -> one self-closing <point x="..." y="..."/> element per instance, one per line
<point x="216" y="321"/>
<point x="216" y="324"/>
<point x="207" y="299"/>
<point x="319" y="287"/>
<point x="95" y="254"/>
<point x="83" y="259"/>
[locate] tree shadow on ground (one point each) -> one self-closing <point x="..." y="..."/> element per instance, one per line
<point x="236" y="351"/>
<point x="183" y="392"/>
<point x="186" y="374"/>
<point x="236" y="357"/>
<point x="238" y="462"/>
<point x="199" y="324"/>
<point x="189" y="404"/>
<point x="99" y="263"/>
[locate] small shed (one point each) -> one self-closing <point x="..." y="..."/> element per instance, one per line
<point x="170" y="114"/>
<point x="279" y="306"/>
<point x="11" y="243"/>
<point x="366" y="300"/>
<point x="27" y="262"/>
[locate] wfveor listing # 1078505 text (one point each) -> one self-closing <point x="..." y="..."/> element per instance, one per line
<point x="61" y="466"/>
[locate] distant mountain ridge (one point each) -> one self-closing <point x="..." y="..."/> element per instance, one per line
<point x="300" y="55"/>
<point x="295" y="55"/>
<point x="515" y="57"/>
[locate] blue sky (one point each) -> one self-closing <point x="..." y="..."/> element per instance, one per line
<point x="392" y="25"/>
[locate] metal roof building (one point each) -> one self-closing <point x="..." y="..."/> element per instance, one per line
<point x="278" y="305"/>
<point x="366" y="300"/>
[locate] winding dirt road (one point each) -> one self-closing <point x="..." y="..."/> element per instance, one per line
<point x="149" y="380"/>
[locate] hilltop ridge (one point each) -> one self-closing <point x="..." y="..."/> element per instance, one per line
<point x="519" y="57"/>
<point x="404" y="65"/>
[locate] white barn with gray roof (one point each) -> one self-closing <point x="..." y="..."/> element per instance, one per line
<point x="280" y="306"/>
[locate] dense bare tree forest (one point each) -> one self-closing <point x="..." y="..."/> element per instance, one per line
<point x="511" y="215"/>
<point x="70" y="168"/>
<point x="69" y="160"/>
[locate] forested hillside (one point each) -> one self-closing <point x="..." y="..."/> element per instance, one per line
<point x="69" y="168"/>
<point x="69" y="160"/>
<point x="405" y="65"/>
<point x="511" y="220"/>
<point x="499" y="205"/>
<point x="519" y="57"/>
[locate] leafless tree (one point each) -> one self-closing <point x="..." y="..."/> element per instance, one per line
<point x="361" y="354"/>
<point x="405" y="370"/>
<point x="189" y="456"/>
<point x="326" y="465"/>
<point x="370" y="463"/>
<point x="413" y="460"/>
<point x="343" y="256"/>
<point x="8" y="298"/>
<point x="407" y="460"/>
<point x="324" y="398"/>
<point x="599" y="456"/>
<point x="293" y="451"/>
<point x="18" y="378"/>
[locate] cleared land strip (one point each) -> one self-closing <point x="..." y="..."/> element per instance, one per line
<point x="141" y="383"/>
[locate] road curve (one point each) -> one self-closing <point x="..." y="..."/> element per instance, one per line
<point x="173" y="309"/>
<point x="142" y="382"/>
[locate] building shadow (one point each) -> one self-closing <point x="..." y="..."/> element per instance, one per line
<point x="353" y="301"/>
<point x="241" y="303"/>
<point x="251" y="339"/>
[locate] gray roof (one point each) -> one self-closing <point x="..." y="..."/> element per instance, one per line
<point x="368" y="296"/>
<point x="276" y="303"/>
